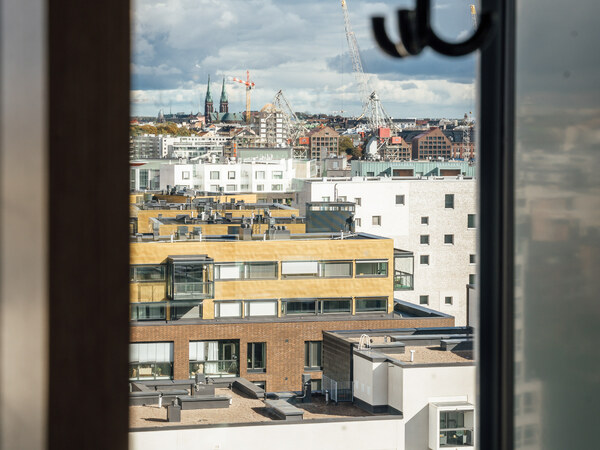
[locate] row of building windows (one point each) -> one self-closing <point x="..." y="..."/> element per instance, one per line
<point x="244" y="187"/>
<point x="269" y="270"/>
<point x="424" y="259"/>
<point x="213" y="359"/>
<point x="259" y="175"/>
<point x="257" y="308"/>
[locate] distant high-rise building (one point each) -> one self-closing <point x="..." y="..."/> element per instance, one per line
<point x="224" y="104"/>
<point x="208" y="102"/>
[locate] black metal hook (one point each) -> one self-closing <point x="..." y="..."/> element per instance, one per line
<point x="415" y="34"/>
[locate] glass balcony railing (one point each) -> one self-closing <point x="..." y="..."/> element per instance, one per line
<point x="403" y="281"/>
<point x="462" y="437"/>
<point x="192" y="291"/>
<point x="223" y="368"/>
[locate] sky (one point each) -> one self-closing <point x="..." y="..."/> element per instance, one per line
<point x="298" y="47"/>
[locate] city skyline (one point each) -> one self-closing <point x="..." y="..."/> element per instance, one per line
<point x="300" y="48"/>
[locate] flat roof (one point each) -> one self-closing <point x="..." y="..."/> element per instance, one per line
<point x="423" y="355"/>
<point x="241" y="410"/>
<point x="149" y="237"/>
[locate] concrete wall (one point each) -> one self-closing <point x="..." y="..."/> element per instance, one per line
<point x="364" y="435"/>
<point x="423" y="385"/>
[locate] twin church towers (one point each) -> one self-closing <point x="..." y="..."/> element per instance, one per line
<point x="208" y="102"/>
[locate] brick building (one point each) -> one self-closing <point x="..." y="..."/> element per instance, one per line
<point x="257" y="308"/>
<point x="431" y="144"/>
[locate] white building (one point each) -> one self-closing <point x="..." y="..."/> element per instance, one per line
<point x="436" y="398"/>
<point x="432" y="217"/>
<point x="269" y="176"/>
<point x="271" y="127"/>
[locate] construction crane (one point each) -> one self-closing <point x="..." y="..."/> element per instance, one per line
<point x="249" y="86"/>
<point x="295" y="127"/>
<point x="371" y="104"/>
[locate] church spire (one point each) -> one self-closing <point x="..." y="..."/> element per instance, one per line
<point x="208" y="103"/>
<point x="208" y="96"/>
<point x="224" y="105"/>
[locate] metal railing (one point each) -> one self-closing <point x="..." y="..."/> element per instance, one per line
<point x="402" y="281"/>
<point x="339" y="391"/>
<point x="189" y="291"/>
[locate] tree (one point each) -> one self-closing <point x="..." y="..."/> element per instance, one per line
<point x="346" y="145"/>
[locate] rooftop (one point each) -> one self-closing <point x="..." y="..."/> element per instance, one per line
<point x="279" y="233"/>
<point x="241" y="410"/>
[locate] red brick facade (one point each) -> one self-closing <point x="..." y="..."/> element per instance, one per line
<point x="284" y="343"/>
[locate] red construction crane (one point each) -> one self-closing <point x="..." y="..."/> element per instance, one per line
<point x="249" y="86"/>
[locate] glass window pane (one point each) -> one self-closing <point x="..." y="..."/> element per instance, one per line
<point x="260" y="270"/>
<point x="336" y="269"/>
<point x="374" y="304"/>
<point x="336" y="306"/>
<point x="371" y="268"/>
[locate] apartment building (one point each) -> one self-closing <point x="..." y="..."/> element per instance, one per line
<point x="434" y="218"/>
<point x="256" y="306"/>
<point x="262" y="176"/>
<point x="431" y="144"/>
<point x="412" y="168"/>
<point x="323" y="142"/>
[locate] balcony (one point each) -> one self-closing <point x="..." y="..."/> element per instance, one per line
<point x="193" y="290"/>
<point x="190" y="277"/>
<point x="403" y="270"/>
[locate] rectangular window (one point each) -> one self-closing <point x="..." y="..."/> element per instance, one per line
<point x="448" y="239"/>
<point x="453" y="431"/>
<point x="215" y="188"/>
<point x="313" y="355"/>
<point x="448" y="300"/>
<point x="277" y="187"/>
<point x="471" y="221"/>
<point x="186" y="310"/>
<point x="358" y="200"/>
<point x="185" y="175"/>
<point x="472" y="259"/>
<point x="325" y="199"/>
<point x="214" y="175"/>
<point x="371" y="304"/>
<point x="297" y="269"/>
<point x="449" y="201"/>
<point x="335" y="269"/>
<point x="257" y="356"/>
<point x="377" y="220"/>
<point x="261" y="308"/>
<point x="231" y="175"/>
<point x="214" y="358"/>
<point x="228" y="309"/>
<point x="261" y="271"/>
<point x="245" y="187"/>
<point x="424" y="220"/>
<point x="472" y="278"/>
<point x="357" y="222"/>
<point x="148" y="311"/>
<point x="399" y="199"/>
<point x="260" y="187"/>
<point x="143" y="273"/>
<point x="277" y="175"/>
<point x="372" y="268"/>
<point x="151" y="361"/>
<point x="260" y="174"/>
<point x="336" y="306"/>
<point x="424" y="259"/>
<point x="229" y="271"/>
<point x="246" y="271"/>
<point x="299" y="306"/>
<point x="231" y="188"/>
<point x="425" y="239"/>
<point x="424" y="299"/>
